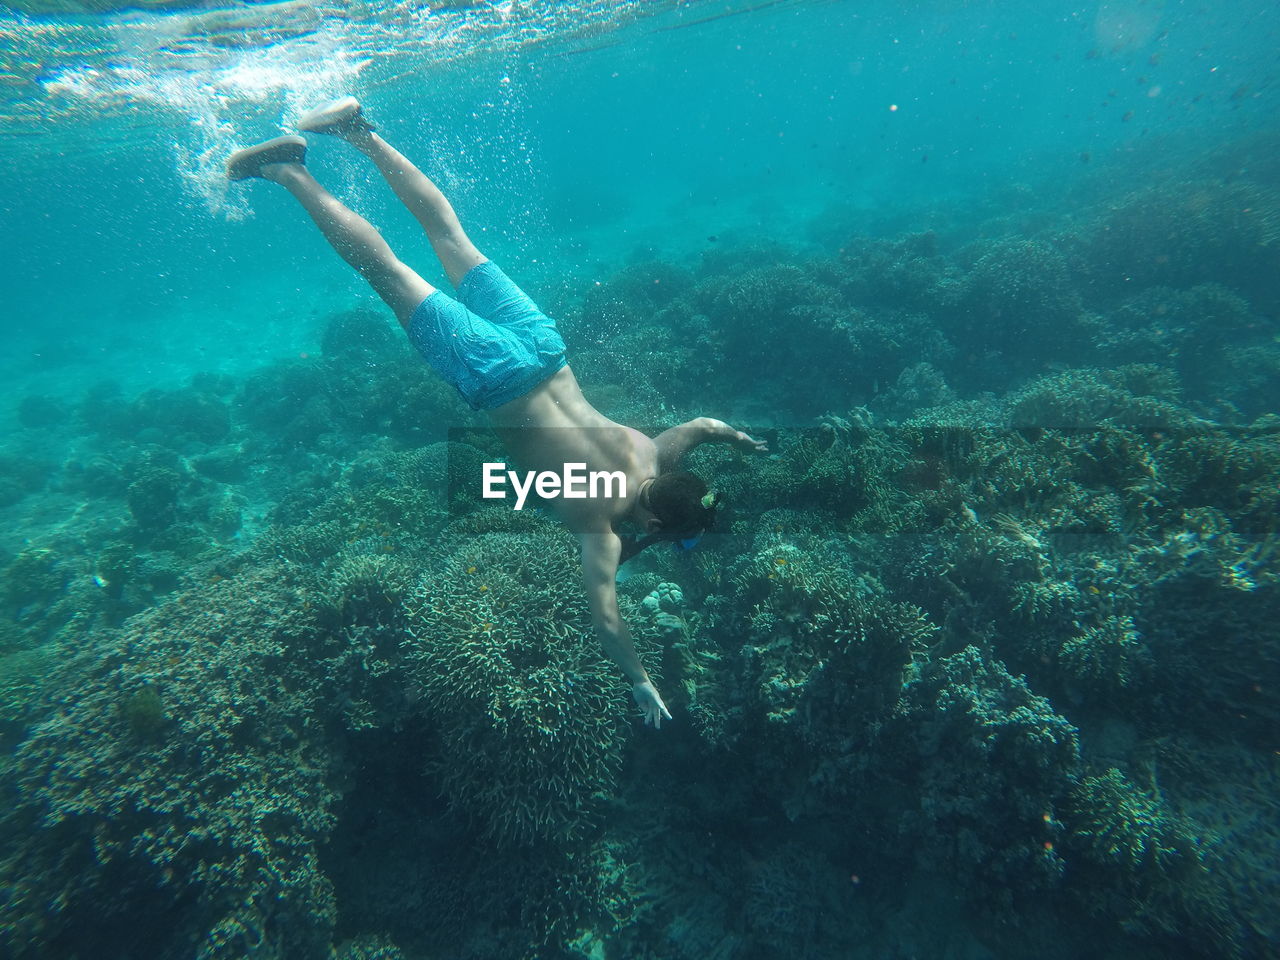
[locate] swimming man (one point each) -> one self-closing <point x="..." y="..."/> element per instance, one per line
<point x="506" y="358"/>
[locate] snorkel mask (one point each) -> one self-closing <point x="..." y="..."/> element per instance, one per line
<point x="710" y="501"/>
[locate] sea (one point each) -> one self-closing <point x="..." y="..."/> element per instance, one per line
<point x="939" y="343"/>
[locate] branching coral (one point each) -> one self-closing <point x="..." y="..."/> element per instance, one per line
<point x="991" y="762"/>
<point x="1115" y="822"/>
<point x="1144" y="865"/>
<point x="181" y="763"/>
<point x="1019" y="309"/>
<point x="1107" y="658"/>
<point x="530" y="715"/>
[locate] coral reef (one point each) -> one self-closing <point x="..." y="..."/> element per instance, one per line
<point x="992" y="762"/>
<point x="1016" y="291"/>
<point x="528" y="712"/>
<point x="1147" y="865"/>
<point x="20" y="477"/>
<point x="987" y="638"/>
<point x="182" y="766"/>
<point x="1181" y="234"/>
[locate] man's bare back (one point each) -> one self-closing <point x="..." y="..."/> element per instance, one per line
<point x="553" y="425"/>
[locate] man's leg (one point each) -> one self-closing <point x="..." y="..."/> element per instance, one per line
<point x="355" y="239"/>
<point x="424" y="199"/>
<point x="345" y="118"/>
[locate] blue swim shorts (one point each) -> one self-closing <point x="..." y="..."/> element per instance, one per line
<point x="492" y="343"/>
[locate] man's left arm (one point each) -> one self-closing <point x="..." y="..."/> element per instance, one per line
<point x="673" y="444"/>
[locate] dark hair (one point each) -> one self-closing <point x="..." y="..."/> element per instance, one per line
<point x="678" y="501"/>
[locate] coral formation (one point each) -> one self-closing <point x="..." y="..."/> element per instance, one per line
<point x="992" y="624"/>
<point x="1148" y="866"/>
<point x="528" y="712"/>
<point x="992" y="764"/>
<point x="182" y="766"/>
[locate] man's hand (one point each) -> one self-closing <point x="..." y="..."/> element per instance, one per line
<point x="651" y="704"/>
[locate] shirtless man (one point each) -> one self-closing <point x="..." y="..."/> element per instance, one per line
<point x="506" y="358"/>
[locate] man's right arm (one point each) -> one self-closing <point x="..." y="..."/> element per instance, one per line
<point x="600" y="555"/>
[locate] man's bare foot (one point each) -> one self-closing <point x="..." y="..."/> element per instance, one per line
<point x="341" y="118"/>
<point x="250" y="161"/>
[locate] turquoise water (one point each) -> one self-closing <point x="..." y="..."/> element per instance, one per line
<point x="981" y="660"/>
<point x="696" y="123"/>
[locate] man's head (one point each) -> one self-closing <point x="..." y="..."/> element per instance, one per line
<point x="678" y="506"/>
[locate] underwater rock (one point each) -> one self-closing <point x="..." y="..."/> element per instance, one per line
<point x="94" y="476"/>
<point x="153" y="498"/>
<point x="20" y="477"/>
<point x="41" y="412"/>
<point x="143" y="712"/>
<point x="360" y="336"/>
<point x="104" y="410"/>
<point x="220" y="514"/>
<point x="179" y="418"/>
<point x="226" y="464"/>
<point x="310" y="404"/>
<point x="288" y="402"/>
